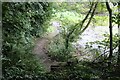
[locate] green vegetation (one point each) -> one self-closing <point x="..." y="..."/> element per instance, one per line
<point x="24" y="22"/>
<point x="103" y="47"/>
<point x="57" y="50"/>
<point x="100" y="20"/>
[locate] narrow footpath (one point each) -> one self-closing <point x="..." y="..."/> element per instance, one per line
<point x="41" y="52"/>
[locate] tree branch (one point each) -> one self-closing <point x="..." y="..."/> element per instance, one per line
<point x="104" y="53"/>
<point x="81" y="24"/>
<point x="87" y="14"/>
<point x="92" y="14"/>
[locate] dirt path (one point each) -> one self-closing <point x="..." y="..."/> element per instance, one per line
<point x="40" y="50"/>
<point x="40" y="53"/>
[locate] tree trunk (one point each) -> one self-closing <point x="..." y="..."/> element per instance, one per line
<point x="118" y="61"/>
<point x="110" y="28"/>
<point x="67" y="43"/>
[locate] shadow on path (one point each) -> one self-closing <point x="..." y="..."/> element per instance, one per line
<point x="41" y="52"/>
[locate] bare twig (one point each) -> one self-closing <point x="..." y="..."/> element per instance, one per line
<point x="104" y="53"/>
<point x="92" y="14"/>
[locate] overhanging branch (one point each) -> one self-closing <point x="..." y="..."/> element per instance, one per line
<point x="92" y="14"/>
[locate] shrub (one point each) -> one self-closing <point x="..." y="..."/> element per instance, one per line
<point x="57" y="50"/>
<point x="22" y="22"/>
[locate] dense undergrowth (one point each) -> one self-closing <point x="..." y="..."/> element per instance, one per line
<point x="57" y="51"/>
<point x="101" y="68"/>
<point x="23" y="22"/>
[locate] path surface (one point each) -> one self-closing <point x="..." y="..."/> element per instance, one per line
<point x="40" y="49"/>
<point x="40" y="53"/>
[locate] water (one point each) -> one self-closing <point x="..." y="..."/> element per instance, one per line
<point x="92" y="34"/>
